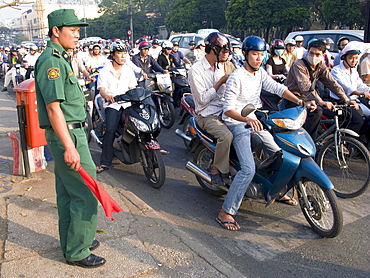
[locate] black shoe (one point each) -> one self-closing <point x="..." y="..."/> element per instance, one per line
<point x="94" y="245"/>
<point x="216" y="179"/>
<point x="226" y="179"/>
<point x="4" y="89"/>
<point x="89" y="262"/>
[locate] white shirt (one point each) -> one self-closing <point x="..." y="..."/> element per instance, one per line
<point x="299" y="52"/>
<point x="114" y="86"/>
<point x="349" y="79"/>
<point x="202" y="78"/>
<point x="154" y="52"/>
<point x="94" y="62"/>
<point x="243" y="87"/>
<point x="365" y="67"/>
<point x="31" y="59"/>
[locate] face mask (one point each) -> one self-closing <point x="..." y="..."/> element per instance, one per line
<point x="328" y="47"/>
<point x="279" y="52"/>
<point x="314" y="60"/>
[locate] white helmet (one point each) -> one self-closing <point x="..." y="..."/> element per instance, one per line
<point x="351" y="48"/>
<point x="289" y="41"/>
<point x="6" y="49"/>
<point x="34" y="48"/>
<point x="201" y="43"/>
<point x="167" y="45"/>
<point x="119" y="46"/>
<point x="299" y="38"/>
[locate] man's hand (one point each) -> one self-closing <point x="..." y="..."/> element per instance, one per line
<point x="366" y="94"/>
<point x="310" y="105"/>
<point x="326" y="104"/>
<point x="256" y="125"/>
<point x="224" y="78"/>
<point x="353" y="102"/>
<point x="72" y="158"/>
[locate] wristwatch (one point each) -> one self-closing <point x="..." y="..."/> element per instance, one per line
<point x="300" y="102"/>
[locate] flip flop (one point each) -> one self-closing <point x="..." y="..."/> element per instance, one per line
<point x="164" y="152"/>
<point x="222" y="223"/>
<point x="101" y="168"/>
<point x="290" y="201"/>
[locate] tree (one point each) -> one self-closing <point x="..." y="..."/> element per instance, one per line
<point x="197" y="14"/>
<point x="20" y="38"/>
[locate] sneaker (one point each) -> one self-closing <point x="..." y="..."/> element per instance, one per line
<point x="226" y="179"/>
<point x="4" y="89"/>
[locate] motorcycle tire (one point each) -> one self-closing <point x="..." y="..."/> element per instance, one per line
<point x="326" y="217"/>
<point x="88" y="126"/>
<point x="204" y="159"/>
<point x="350" y="171"/>
<point x="186" y="130"/>
<point x="154" y="169"/>
<point x="167" y="114"/>
<point x="18" y="79"/>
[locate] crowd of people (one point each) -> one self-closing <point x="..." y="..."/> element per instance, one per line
<point x="224" y="76"/>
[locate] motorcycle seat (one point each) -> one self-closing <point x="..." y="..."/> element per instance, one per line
<point x="189" y="99"/>
<point x="204" y="134"/>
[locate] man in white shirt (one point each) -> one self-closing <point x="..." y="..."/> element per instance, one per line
<point x="207" y="82"/>
<point x="30" y="60"/>
<point x="114" y="79"/>
<point x="95" y="60"/>
<point x="244" y="87"/>
<point x="365" y="69"/>
<point x="299" y="50"/>
<point x="155" y="50"/>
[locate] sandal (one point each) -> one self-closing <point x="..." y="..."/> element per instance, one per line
<point x="101" y="168"/>
<point x="225" y="223"/>
<point x="287" y="200"/>
<point x="164" y="152"/>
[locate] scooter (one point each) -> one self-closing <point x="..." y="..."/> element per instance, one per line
<point x="161" y="87"/>
<point x="293" y="167"/>
<point x="19" y="77"/>
<point x="136" y="137"/>
<point x="187" y="111"/>
<point x="181" y="84"/>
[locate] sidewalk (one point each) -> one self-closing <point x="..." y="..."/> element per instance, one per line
<point x="139" y="243"/>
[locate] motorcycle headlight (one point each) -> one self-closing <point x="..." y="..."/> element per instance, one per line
<point x="292" y="124"/>
<point x="140" y="125"/>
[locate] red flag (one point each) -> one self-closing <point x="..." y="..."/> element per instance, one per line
<point x="104" y="198"/>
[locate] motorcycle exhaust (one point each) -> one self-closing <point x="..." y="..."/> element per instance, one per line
<point x="192" y="167"/>
<point x="96" y="138"/>
<point x="181" y="134"/>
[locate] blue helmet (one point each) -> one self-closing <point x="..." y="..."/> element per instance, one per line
<point x="311" y="40"/>
<point x="254" y="43"/>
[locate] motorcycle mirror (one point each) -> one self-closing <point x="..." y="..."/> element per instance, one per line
<point x="249" y="108"/>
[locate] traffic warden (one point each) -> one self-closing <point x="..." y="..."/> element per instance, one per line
<point x="61" y="107"/>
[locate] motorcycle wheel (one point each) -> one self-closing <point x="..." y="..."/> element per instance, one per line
<point x="167" y="114"/>
<point x="186" y="130"/>
<point x="18" y="79"/>
<point x="326" y="217"/>
<point x="155" y="170"/>
<point x="88" y="126"/>
<point x="204" y="159"/>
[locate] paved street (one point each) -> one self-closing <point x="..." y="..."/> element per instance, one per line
<point x="171" y="232"/>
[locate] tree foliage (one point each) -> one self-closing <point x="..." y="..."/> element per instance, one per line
<point x="20" y="38"/>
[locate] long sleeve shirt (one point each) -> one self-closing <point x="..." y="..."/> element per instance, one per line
<point x="349" y="79"/>
<point x="244" y="88"/>
<point x="298" y="81"/>
<point x="202" y="78"/>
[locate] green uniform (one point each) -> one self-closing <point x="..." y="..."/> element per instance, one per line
<point x="77" y="206"/>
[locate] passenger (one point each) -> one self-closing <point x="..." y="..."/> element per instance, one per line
<point x="166" y="60"/>
<point x="302" y="78"/>
<point x="299" y="50"/>
<point x="347" y="76"/>
<point x="13" y="58"/>
<point x="275" y="65"/>
<point x="244" y="87"/>
<point x="289" y="55"/>
<point x="180" y="58"/>
<point x="114" y="79"/>
<point x="207" y="80"/>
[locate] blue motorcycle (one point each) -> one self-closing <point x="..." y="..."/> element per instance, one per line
<point x="293" y="167"/>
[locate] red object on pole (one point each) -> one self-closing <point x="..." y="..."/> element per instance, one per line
<point x="104" y="198"/>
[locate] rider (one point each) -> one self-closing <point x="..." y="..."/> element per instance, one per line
<point x="114" y="79"/>
<point x="30" y="60"/>
<point x="207" y="80"/>
<point x="190" y="53"/>
<point x="13" y="58"/>
<point x="302" y="78"/>
<point x="289" y="54"/>
<point x="244" y="87"/>
<point x="178" y="54"/>
<point x="155" y="50"/>
<point x="166" y="60"/>
<point x="275" y="65"/>
<point x="341" y="43"/>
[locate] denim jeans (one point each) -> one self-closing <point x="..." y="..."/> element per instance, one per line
<point x="112" y="118"/>
<point x="242" y="145"/>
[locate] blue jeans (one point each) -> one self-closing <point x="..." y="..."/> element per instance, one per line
<point x="112" y="118"/>
<point x="242" y="145"/>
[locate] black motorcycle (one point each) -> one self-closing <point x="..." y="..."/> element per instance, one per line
<point x="136" y="136"/>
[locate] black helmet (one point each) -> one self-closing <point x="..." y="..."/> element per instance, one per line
<point x="192" y="43"/>
<point x="217" y="41"/>
<point x="155" y="41"/>
<point x="175" y="43"/>
<point x="254" y="43"/>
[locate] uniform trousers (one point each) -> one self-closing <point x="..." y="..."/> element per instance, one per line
<point x="77" y="205"/>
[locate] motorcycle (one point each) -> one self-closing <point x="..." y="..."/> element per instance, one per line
<point x="161" y="87"/>
<point x="89" y="97"/>
<point x="293" y="167"/>
<point x="19" y="77"/>
<point x="187" y="111"/>
<point x="181" y="84"/>
<point x="136" y="137"/>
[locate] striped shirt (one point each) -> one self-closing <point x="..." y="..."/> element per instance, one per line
<point x="244" y="88"/>
<point x="202" y="78"/>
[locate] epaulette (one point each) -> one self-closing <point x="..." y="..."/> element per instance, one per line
<point x="56" y="53"/>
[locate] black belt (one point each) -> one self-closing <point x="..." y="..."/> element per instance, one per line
<point x="76" y="125"/>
